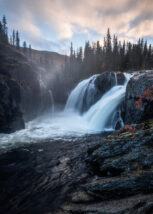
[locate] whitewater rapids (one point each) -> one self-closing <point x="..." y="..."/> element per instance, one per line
<point x="101" y="116"/>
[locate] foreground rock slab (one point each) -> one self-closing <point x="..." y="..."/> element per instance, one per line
<point x="90" y="174"/>
<point x="36" y="179"/>
<point x="121" y="179"/>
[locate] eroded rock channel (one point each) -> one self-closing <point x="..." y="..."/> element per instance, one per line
<point x="91" y="174"/>
<point x="37" y="178"/>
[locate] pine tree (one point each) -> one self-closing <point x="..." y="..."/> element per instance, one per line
<point x="24" y="47"/>
<point x="30" y="51"/>
<point x="4" y="26"/>
<point x="11" y="40"/>
<point x="108" y="57"/>
<point x="1" y="32"/>
<point x="122" y="57"/>
<point x="80" y="55"/>
<point x="115" y="53"/>
<point x="145" y="51"/>
<point x="13" y="37"/>
<point x="149" y="58"/>
<point x="98" y="57"/>
<point x="17" y="40"/>
<point x="4" y="23"/>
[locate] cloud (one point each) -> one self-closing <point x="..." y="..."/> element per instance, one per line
<point x="52" y="24"/>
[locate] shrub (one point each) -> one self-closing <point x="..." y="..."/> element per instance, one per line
<point x="148" y="94"/>
<point x="128" y="128"/>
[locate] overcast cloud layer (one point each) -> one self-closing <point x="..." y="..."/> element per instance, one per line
<point x="52" y="24"/>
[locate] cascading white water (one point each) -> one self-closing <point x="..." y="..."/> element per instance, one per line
<point x="104" y="114"/>
<point x="100" y="114"/>
<point x="115" y="78"/>
<point x="76" y="98"/>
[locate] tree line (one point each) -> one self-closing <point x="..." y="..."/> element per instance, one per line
<point x="113" y="55"/>
<point x="13" y="39"/>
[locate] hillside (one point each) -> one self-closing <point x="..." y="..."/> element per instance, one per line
<point x="21" y="92"/>
<point x="51" y="72"/>
<point x="49" y="60"/>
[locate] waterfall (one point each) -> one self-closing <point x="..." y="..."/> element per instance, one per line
<point x="82" y="95"/>
<point x="99" y="115"/>
<point x="47" y="99"/>
<point x="105" y="113"/>
<point x="41" y="82"/>
<point x="115" y="74"/>
<point x="51" y="101"/>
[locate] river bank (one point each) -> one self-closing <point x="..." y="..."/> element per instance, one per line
<point x="37" y="178"/>
<point x="121" y="179"/>
<point x="53" y="166"/>
<point x="90" y="174"/>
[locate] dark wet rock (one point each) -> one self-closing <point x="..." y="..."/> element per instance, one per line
<point x="107" y="80"/>
<point x="127" y="153"/>
<point x="136" y="87"/>
<point x="148" y="209"/>
<point x="39" y="182"/>
<point x="87" y="175"/>
<point x="10" y="114"/>
<point x="34" y="98"/>
<point x="121" y="181"/>
<point x="139" y="208"/>
<point x="100" y="85"/>
<point x="122" y="187"/>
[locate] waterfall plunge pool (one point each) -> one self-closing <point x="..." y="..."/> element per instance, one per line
<point x="101" y="117"/>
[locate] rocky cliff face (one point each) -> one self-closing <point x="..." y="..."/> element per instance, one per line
<point x="10" y="114"/>
<point x="22" y="95"/>
<point x="51" y="61"/>
<point x="139" y="98"/>
<point x="25" y="75"/>
<point x="51" y="69"/>
<point x="36" y="76"/>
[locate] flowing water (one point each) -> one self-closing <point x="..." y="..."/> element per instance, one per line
<point x="101" y="116"/>
<point x="52" y="102"/>
<point x="85" y="89"/>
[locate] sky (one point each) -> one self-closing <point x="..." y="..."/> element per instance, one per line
<point x="53" y="24"/>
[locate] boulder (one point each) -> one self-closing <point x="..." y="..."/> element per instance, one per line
<point x="136" y="92"/>
<point x="107" y="80"/>
<point x="99" y="85"/>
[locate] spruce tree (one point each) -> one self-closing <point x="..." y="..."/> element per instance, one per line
<point x="30" y="51"/>
<point x="24" y="46"/>
<point x="71" y="50"/>
<point x="13" y="37"/>
<point x="108" y="58"/>
<point x="1" y="32"/>
<point x="115" y="53"/>
<point x="4" y="26"/>
<point x="17" y="40"/>
<point x="11" y="40"/>
<point x="4" y="23"/>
